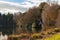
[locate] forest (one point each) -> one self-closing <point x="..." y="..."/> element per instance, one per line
<point x="35" y="20"/>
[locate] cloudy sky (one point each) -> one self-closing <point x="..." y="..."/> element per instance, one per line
<point x="18" y="5"/>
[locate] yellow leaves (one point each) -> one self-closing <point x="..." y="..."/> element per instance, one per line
<point x="52" y="19"/>
<point x="51" y="16"/>
<point x="54" y="37"/>
<point x="35" y="34"/>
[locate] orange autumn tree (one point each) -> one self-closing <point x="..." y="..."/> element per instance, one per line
<point x="50" y="14"/>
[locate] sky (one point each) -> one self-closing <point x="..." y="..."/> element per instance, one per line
<point x="18" y="5"/>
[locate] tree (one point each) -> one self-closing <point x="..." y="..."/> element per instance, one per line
<point x="49" y="15"/>
<point x="42" y="6"/>
<point x="33" y="15"/>
<point x="19" y="22"/>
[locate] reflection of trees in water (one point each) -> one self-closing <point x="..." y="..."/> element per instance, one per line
<point x="37" y="26"/>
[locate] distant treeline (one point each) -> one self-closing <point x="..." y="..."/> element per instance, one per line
<point x="30" y="21"/>
<point x="6" y="23"/>
<point x="22" y="22"/>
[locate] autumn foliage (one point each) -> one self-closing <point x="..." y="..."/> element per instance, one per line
<point x="46" y="14"/>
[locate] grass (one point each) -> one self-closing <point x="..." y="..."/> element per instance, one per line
<point x="45" y="35"/>
<point x="54" y="37"/>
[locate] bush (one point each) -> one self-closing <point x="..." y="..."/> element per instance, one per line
<point x="57" y="30"/>
<point x="51" y="33"/>
<point x="42" y="33"/>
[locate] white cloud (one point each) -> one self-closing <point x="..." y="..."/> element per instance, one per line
<point x="10" y="3"/>
<point x="31" y="3"/>
<point x="15" y="7"/>
<point x="36" y="2"/>
<point x="11" y="7"/>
